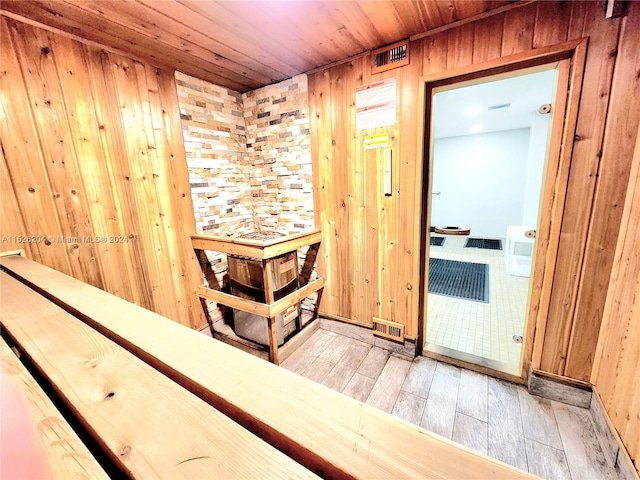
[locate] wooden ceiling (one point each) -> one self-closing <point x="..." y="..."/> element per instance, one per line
<point x="244" y="45"/>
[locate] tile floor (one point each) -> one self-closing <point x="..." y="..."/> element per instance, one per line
<point x="482" y="329"/>
<point x="497" y="418"/>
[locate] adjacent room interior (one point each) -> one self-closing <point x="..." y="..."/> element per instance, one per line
<point x="302" y="239"/>
<point x="489" y="151"/>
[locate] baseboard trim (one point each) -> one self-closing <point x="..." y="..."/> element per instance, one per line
<point x="612" y="446"/>
<point x="338" y="318"/>
<point x="365" y="334"/>
<point x="558" y="389"/>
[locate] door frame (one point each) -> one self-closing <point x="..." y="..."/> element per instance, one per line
<point x="570" y="59"/>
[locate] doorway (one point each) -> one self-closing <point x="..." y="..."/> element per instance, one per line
<point x="489" y="148"/>
<point x="565" y="63"/>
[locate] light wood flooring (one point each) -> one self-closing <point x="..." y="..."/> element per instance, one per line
<point x="500" y="419"/>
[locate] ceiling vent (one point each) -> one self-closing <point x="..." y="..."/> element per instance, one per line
<point x="387" y="329"/>
<point x="498" y="107"/>
<point x="391" y="56"/>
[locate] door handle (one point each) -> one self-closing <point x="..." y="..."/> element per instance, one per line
<point x="530" y="234"/>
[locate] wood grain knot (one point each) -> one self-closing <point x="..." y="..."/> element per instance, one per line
<point x="110" y="395"/>
<point x="124" y="451"/>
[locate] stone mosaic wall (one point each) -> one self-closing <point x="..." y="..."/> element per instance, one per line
<point x="214" y="133"/>
<point x="279" y="146"/>
<point x="249" y="155"/>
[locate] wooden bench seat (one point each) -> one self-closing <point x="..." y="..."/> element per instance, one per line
<point x="149" y="426"/>
<point x="325" y="431"/>
<point x="64" y="453"/>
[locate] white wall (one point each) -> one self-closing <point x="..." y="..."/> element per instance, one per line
<point x="538" y="140"/>
<point x="482" y="180"/>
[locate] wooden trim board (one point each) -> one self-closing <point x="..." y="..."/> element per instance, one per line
<point x="554" y="388"/>
<point x="263" y="309"/>
<point x="323" y="430"/>
<point x="256" y="248"/>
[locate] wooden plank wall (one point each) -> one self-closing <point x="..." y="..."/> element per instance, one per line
<point x="618" y="355"/>
<point x="364" y="232"/>
<point x="92" y="148"/>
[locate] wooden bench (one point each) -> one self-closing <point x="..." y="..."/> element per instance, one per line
<point x="64" y="453"/>
<point x="164" y="400"/>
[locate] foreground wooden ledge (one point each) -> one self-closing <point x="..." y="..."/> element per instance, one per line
<point x="64" y="453"/>
<point x="147" y="425"/>
<point x="324" y="431"/>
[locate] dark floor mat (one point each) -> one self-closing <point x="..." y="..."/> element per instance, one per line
<point x="466" y="280"/>
<point x="486" y="243"/>
<point x="436" y="241"/>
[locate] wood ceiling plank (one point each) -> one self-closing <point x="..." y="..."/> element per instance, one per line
<point x="465" y="9"/>
<point x="207" y="32"/>
<point x="245" y="44"/>
<point x="413" y="17"/>
<point x="275" y="22"/>
<point x="115" y="36"/>
<point x="447" y="11"/>
<point x="385" y="18"/>
<point x="323" y="34"/>
<point x="168" y="31"/>
<point x="238" y="30"/>
<point x="158" y="47"/>
<point x="361" y="27"/>
<point x="433" y="14"/>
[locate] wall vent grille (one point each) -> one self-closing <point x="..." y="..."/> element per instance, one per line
<point x="391" y="56"/>
<point x="387" y="329"/>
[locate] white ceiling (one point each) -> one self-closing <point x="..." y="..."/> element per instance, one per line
<point x="464" y="111"/>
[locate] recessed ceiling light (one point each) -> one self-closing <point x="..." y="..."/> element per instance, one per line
<point x="475" y="128"/>
<point x="472" y="111"/>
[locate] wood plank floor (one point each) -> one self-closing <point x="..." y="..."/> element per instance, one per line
<point x="497" y="418"/>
